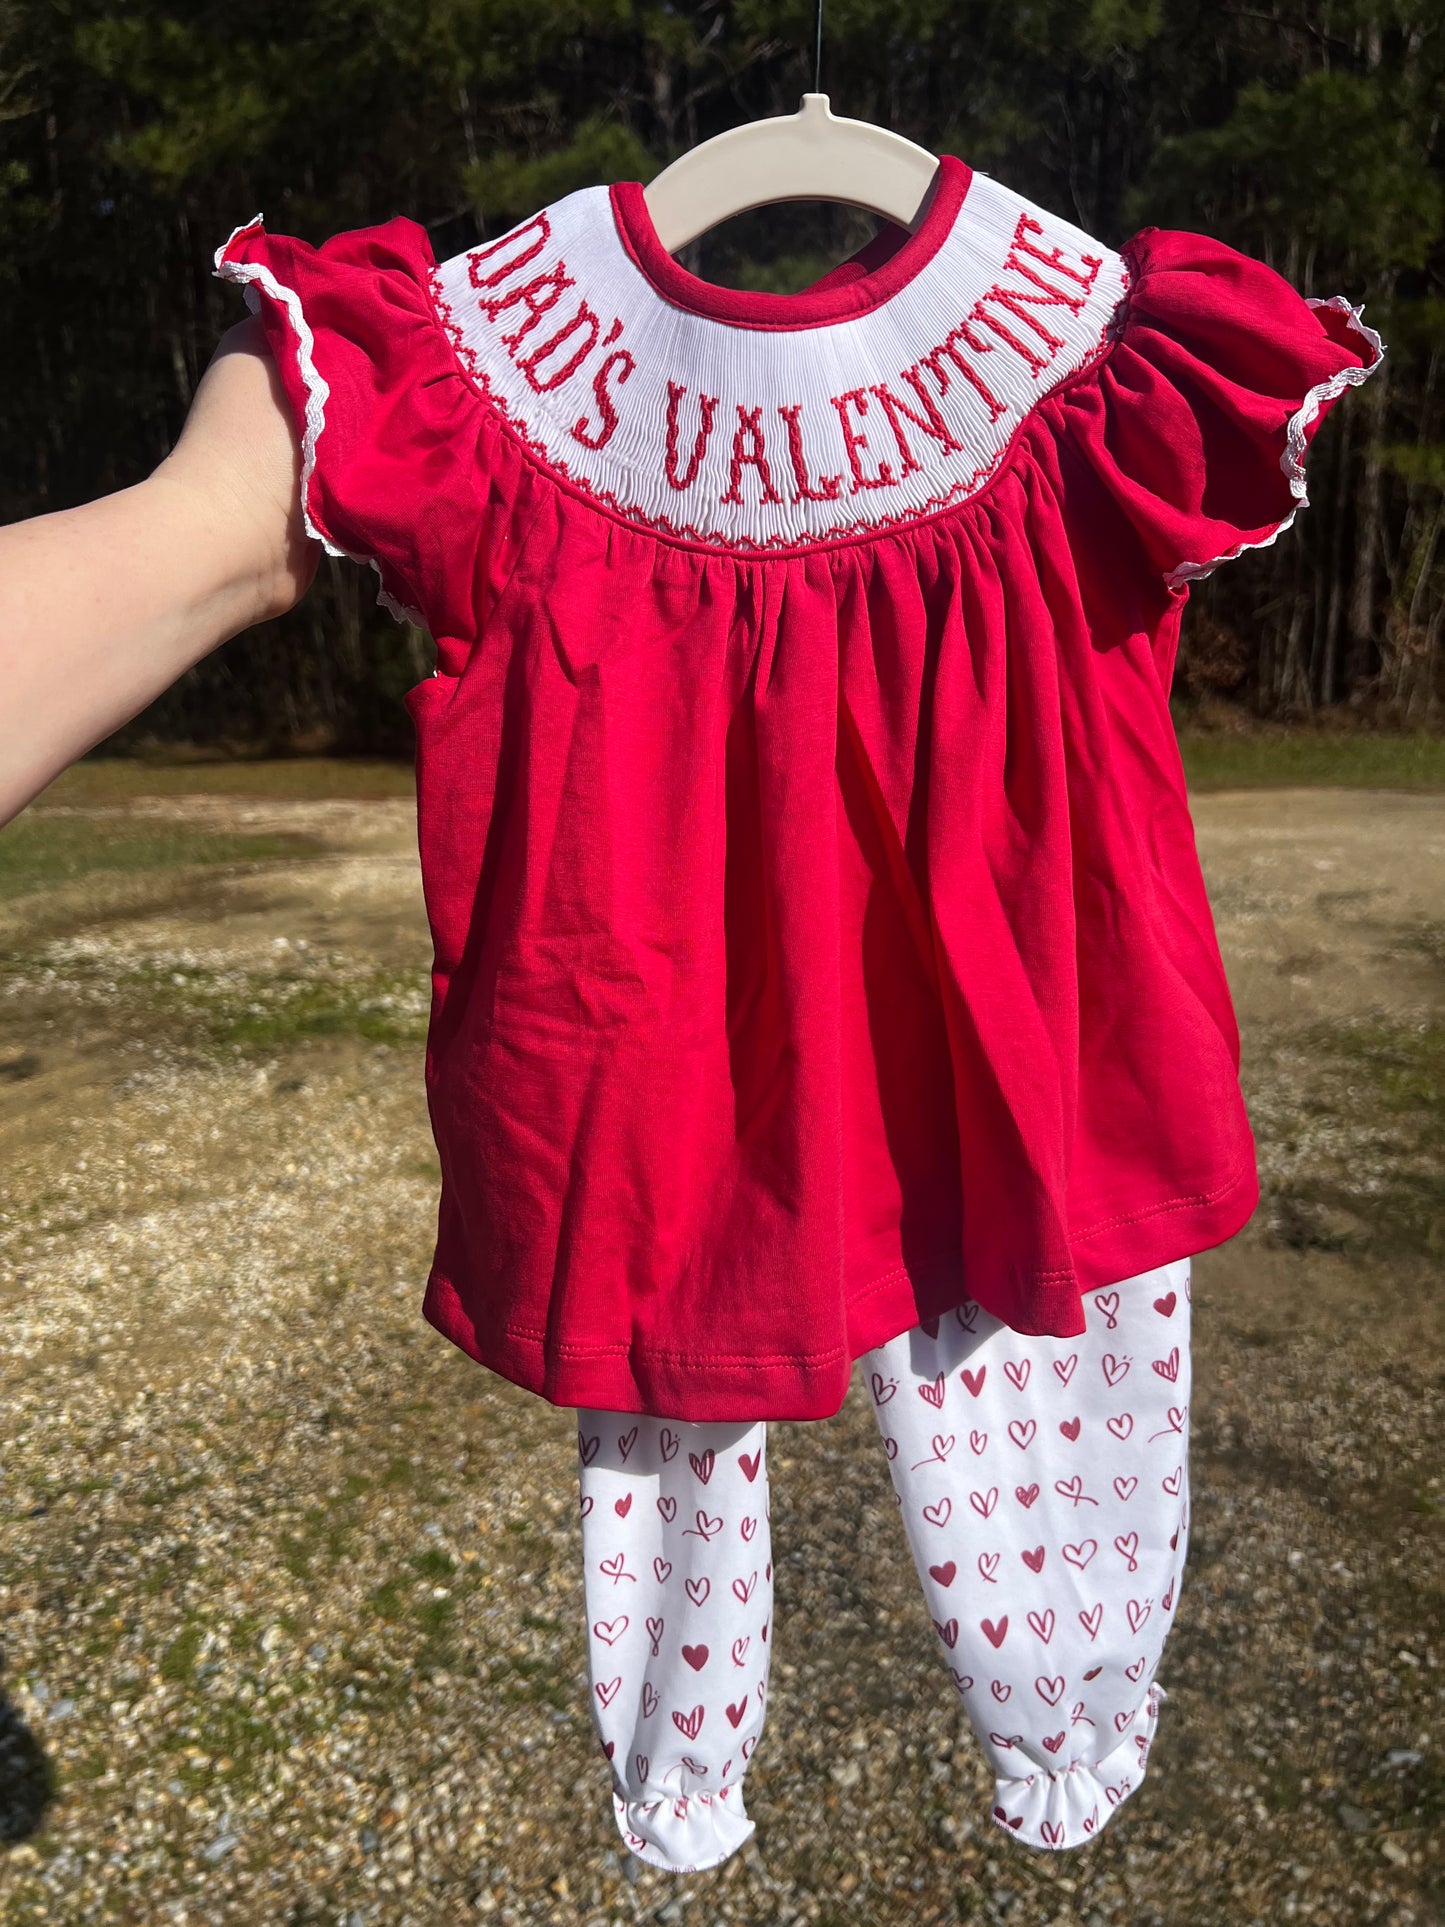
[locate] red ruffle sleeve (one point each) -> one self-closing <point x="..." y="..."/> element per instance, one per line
<point x="392" y="473"/>
<point x="1198" y="419"/>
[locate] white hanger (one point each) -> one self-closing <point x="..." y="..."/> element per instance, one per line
<point x="813" y="155"/>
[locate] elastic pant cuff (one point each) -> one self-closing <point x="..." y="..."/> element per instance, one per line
<point x="1069" y="1806"/>
<point x="685" y="1833"/>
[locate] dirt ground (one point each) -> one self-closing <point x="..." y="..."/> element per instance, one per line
<point x="290" y="1596"/>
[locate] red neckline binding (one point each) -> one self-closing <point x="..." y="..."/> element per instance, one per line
<point x="827" y="300"/>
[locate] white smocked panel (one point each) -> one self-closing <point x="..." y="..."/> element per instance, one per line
<point x="764" y="437"/>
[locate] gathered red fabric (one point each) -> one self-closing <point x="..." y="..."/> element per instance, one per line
<point x="819" y="934"/>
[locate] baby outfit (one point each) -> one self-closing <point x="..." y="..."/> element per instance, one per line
<point x="820" y="947"/>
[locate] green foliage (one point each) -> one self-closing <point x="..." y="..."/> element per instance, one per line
<point x="133" y="139"/>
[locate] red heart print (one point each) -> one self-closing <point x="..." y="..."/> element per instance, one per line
<point x="750" y="1465"/>
<point x="1043" y="1624"/>
<point x="696" y="1657"/>
<point x="938" y="1515"/>
<point x="1017" y="1372"/>
<point x="1172" y="1483"/>
<point x="1113" y="1795"/>
<point x="941" y="1446"/>
<point x="1137" y="1669"/>
<point x="610" y="1748"/>
<point x="890" y="1446"/>
<point x="747" y="1748"/>
<point x="606" y="1690"/>
<point x="1138" y="1610"/>
<point x="999" y="1814"/>
<point x="934" y="1392"/>
<point x="974" y="1380"/>
<point x="768" y="1570"/>
<point x="1174" y="1540"/>
<point x="1165" y="1305"/>
<point x="644" y="1766"/>
<point x="1050" y="1689"/>
<point x="587" y="1448"/>
<point x="726" y="1765"/>
<point x="654" y="1630"/>
<point x="625" y="1443"/>
<point x="1090" y="1621"/>
<point x="586" y="1503"/>
<point x="1115" y="1368"/>
<point x="1034" y="1560"/>
<point x="1007" y="1740"/>
<point x="706" y="1527"/>
<point x="735" y="1713"/>
<point x="698" y="1590"/>
<point x="1054" y="1741"/>
<point x="963" y="1681"/>
<point x="1021" y="1431"/>
<point x="1126" y="1544"/>
<point x="1000" y="1690"/>
<point x="668" y="1508"/>
<point x="1168" y="1367"/>
<point x="663" y="1569"/>
<point x="749" y="1527"/>
<point x="740" y="1648"/>
<point x="988" y="1565"/>
<point x="995" y="1634"/>
<point x="765" y="1632"/>
<point x="689" y="1723"/>
<point x="1125" y="1487"/>
<point x="1053" y="1832"/>
<point x="979" y="1442"/>
<point x="883" y="1389"/>
<point x="1026" y="1494"/>
<point x="1108" y="1304"/>
<point x="1092" y="1821"/>
<point x="967" y="1315"/>
<point x="945" y="1575"/>
<point x="702" y="1463"/>
<point x="930" y="1325"/>
<point x="1070" y="1428"/>
<point x="744" y="1587"/>
<point x="1070" y="1488"/>
<point x="622" y="1506"/>
<point x="1122" y="1426"/>
<point x="1168" y="1600"/>
<point x="1177" y="1416"/>
<point x="1064" y="1367"/>
<point x="611" y="1630"/>
<point x="670" y="1443"/>
<point x="983" y="1503"/>
<point x="1121" y="1720"/>
<point x="614" y="1567"/>
<point x="651" y="1699"/>
<point x="1094" y="1671"/>
<point x="947" y="1632"/>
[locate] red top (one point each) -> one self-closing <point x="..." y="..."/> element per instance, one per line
<point x="819" y="934"/>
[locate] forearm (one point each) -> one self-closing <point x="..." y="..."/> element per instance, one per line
<point x="101" y="609"/>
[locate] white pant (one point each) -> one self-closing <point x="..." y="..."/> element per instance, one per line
<point x="1043" y="1485"/>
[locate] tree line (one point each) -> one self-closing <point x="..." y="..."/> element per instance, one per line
<point x="133" y="141"/>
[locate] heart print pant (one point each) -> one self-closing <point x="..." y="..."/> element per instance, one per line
<point x="1043" y="1485"/>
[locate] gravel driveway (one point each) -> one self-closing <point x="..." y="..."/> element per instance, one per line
<point x="290" y="1598"/>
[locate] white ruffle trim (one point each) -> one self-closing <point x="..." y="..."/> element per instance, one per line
<point x="1065" y="1808"/>
<point x="248" y="274"/>
<point x="1292" y="461"/>
<point x="687" y="1833"/>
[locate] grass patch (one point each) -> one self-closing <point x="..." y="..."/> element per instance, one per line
<point x="39" y="851"/>
<point x="178" y="1661"/>
<point x="1279" y="758"/>
<point x="115" y="779"/>
<point x="1350" y="1122"/>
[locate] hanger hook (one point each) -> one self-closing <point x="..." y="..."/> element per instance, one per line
<point x="818" y="49"/>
